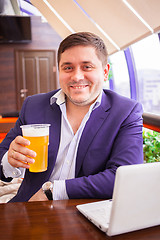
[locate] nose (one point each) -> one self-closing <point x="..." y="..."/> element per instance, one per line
<point x="77" y="74"/>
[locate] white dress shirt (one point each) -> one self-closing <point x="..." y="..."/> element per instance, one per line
<point x="66" y="157"/>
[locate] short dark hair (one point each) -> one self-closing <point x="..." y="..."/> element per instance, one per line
<point x="84" y="39"/>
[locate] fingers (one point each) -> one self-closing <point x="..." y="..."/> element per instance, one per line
<point x="21" y="140"/>
<point x="19" y="155"/>
<point x="17" y="159"/>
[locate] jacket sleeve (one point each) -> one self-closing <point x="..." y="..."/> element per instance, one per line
<point x="12" y="134"/>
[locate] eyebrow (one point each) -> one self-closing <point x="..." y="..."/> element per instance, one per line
<point x="65" y="63"/>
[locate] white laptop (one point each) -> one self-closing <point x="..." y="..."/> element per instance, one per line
<point x="135" y="204"/>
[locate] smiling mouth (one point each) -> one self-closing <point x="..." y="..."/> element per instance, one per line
<point x="79" y="86"/>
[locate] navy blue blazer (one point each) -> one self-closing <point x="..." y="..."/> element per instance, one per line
<point x="112" y="137"/>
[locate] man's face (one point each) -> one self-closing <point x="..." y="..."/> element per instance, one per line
<point x="81" y="75"/>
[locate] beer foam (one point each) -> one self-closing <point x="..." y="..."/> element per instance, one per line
<point x="37" y="131"/>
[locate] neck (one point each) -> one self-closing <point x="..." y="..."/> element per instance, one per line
<point x="75" y="114"/>
<point x="77" y="108"/>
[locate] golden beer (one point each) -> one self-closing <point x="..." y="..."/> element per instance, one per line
<point x="38" y="135"/>
<point x="40" y="146"/>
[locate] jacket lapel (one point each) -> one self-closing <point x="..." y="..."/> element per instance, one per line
<point x="98" y="116"/>
<point x="53" y="116"/>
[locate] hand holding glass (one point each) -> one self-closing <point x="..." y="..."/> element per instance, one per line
<point x="38" y="135"/>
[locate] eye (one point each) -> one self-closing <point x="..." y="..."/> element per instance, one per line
<point x="87" y="67"/>
<point x="67" y="68"/>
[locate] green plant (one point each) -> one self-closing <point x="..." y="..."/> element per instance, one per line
<point x="151" y="146"/>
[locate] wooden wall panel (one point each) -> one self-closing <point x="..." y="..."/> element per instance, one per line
<point x="7" y="80"/>
<point x="43" y="37"/>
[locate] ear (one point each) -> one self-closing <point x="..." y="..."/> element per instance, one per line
<point x="106" y="72"/>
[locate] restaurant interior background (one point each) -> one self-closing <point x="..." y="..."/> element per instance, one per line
<point x="30" y="33"/>
<point x="130" y="30"/>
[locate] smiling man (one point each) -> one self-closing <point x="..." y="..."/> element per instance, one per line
<point x="93" y="131"/>
<point x="81" y="76"/>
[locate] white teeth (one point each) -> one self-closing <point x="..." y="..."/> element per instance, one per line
<point x="78" y="87"/>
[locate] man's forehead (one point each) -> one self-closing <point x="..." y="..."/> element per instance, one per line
<point x="79" y="48"/>
<point x="81" y="54"/>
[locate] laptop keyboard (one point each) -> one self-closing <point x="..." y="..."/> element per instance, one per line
<point x="101" y="213"/>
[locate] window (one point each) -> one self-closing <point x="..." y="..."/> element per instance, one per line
<point x="120" y="74"/>
<point x="146" y="54"/>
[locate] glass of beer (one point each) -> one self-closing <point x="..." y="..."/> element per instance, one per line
<point x="38" y="135"/>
